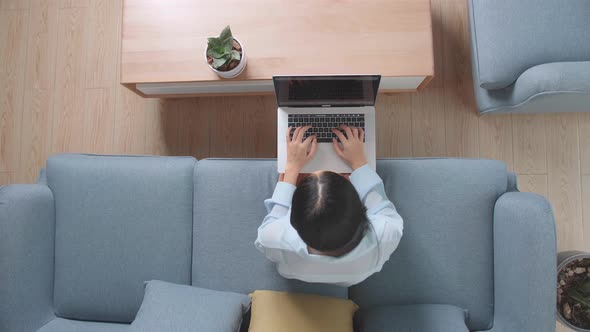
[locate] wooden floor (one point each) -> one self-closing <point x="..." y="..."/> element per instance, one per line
<point x="59" y="92"/>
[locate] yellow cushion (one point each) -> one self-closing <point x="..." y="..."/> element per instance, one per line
<point x="287" y="312"/>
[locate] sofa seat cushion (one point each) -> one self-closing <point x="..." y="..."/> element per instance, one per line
<point x="67" y="325"/>
<point x="412" y="318"/>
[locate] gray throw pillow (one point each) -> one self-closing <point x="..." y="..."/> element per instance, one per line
<point x="180" y="308"/>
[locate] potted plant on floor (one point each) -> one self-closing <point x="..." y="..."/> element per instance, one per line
<point x="225" y="54"/>
<point x="573" y="290"/>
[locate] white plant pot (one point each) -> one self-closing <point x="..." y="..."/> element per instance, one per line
<point x="234" y="72"/>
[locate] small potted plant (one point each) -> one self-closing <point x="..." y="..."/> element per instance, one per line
<point x="573" y="290"/>
<point x="225" y="54"/>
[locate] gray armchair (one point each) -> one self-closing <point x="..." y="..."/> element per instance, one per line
<point x="530" y="55"/>
<point x="75" y="249"/>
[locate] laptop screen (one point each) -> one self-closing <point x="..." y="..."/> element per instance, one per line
<point x="310" y="91"/>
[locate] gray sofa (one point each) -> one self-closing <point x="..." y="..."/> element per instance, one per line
<point x="76" y="247"/>
<point x="530" y="55"/>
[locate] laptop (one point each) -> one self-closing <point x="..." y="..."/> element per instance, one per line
<point x="326" y="102"/>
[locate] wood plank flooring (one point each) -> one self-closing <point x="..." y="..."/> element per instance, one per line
<point x="59" y="92"/>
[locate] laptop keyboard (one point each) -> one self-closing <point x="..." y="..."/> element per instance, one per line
<point x="321" y="124"/>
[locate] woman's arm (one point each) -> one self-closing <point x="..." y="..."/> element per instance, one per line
<point x="369" y="186"/>
<point x="299" y="152"/>
<point x="381" y="212"/>
<point x="386" y="222"/>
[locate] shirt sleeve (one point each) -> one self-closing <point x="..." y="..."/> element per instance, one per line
<point x="382" y="214"/>
<point x="276" y="221"/>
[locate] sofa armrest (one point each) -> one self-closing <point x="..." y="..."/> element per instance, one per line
<point x="27" y="236"/>
<point x="524" y="264"/>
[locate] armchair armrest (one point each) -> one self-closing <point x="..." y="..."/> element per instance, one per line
<point x="552" y="77"/>
<point x="556" y="78"/>
<point x="524" y="264"/>
<point x="27" y="236"/>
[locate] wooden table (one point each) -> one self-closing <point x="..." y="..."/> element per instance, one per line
<point x="164" y="42"/>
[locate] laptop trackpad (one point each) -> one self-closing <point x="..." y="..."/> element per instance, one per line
<point x="326" y="159"/>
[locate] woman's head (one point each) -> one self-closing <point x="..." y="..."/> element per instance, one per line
<point x="327" y="212"/>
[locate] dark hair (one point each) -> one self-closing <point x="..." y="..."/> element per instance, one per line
<point x="328" y="213"/>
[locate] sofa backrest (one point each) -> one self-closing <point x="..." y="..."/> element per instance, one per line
<point x="119" y="222"/>
<point x="229" y="196"/>
<point x="446" y="253"/>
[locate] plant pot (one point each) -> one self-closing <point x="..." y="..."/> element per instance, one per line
<point x="233" y="72"/>
<point x="563" y="259"/>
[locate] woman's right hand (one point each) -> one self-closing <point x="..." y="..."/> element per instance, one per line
<point x="351" y="149"/>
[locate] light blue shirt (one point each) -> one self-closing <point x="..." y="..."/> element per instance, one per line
<point x="280" y="242"/>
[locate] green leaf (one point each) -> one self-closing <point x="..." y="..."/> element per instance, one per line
<point x="213" y="42"/>
<point x="226" y="39"/>
<point x="578" y="297"/>
<point x="226" y="34"/>
<point x="216" y="52"/>
<point x="235" y="55"/>
<point x="219" y="62"/>
<point x="227" y="46"/>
